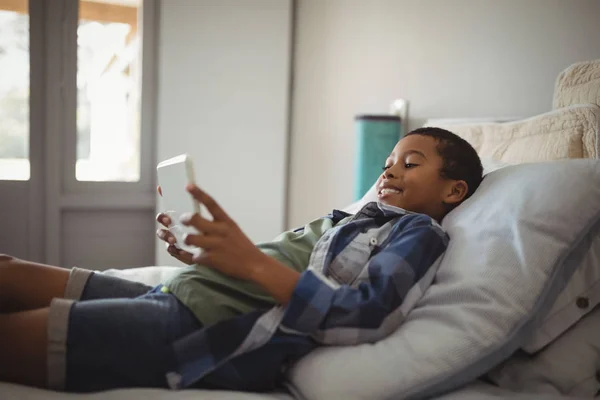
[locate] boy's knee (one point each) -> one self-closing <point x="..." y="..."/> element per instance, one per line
<point x="6" y="262"/>
<point x="5" y="258"/>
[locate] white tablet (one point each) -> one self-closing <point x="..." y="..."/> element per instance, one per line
<point x="174" y="175"/>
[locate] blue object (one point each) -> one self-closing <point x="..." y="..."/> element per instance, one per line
<point x="376" y="136"/>
<point x="120" y="335"/>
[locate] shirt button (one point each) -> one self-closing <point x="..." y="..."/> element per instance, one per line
<point x="373" y="241"/>
<point x="582" y="302"/>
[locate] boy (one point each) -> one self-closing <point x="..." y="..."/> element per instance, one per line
<point x="249" y="311"/>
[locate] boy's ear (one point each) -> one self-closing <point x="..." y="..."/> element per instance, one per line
<point x="457" y="192"/>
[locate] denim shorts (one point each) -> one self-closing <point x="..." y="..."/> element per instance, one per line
<point x="110" y="333"/>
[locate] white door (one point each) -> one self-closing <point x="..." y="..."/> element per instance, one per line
<point x="80" y="188"/>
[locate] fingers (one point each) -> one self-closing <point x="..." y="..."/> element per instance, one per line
<point x="166" y="236"/>
<point x="203" y="225"/>
<point x="163" y="219"/>
<point x="203" y="241"/>
<point x="213" y="207"/>
<point x="202" y="258"/>
<point x="179" y="254"/>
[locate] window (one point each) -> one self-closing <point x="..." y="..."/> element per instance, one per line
<point x="108" y="91"/>
<point x="14" y="90"/>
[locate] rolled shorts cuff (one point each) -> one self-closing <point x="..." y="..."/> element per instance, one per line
<point x="58" y="323"/>
<point x="76" y="283"/>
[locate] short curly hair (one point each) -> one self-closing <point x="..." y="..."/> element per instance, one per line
<point x="461" y="161"/>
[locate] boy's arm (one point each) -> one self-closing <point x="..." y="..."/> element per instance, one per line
<point x="289" y="257"/>
<point x="227" y="249"/>
<point x="276" y="278"/>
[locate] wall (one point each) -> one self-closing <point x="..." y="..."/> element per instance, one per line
<point x="459" y="58"/>
<point x="223" y="95"/>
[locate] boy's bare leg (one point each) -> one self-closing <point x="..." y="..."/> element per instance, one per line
<point x="26" y="285"/>
<point x="23" y="347"/>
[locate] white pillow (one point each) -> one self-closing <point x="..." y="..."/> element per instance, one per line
<point x="566" y="133"/>
<point x="513" y="245"/>
<point x="578" y="84"/>
<point x="150" y="276"/>
<point x="568" y="366"/>
<point x="580" y="295"/>
<point x="566" y="310"/>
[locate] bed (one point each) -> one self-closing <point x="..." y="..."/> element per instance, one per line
<point x="481" y="331"/>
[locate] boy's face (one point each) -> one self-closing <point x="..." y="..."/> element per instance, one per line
<point x="412" y="179"/>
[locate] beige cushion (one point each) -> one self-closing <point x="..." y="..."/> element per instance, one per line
<point x="578" y="84"/>
<point x="570" y="132"/>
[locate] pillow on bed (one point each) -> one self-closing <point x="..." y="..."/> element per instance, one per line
<point x="513" y="245"/>
<point x="568" y="366"/>
<point x="580" y="295"/>
<point x="578" y="84"/>
<point x="570" y="132"/>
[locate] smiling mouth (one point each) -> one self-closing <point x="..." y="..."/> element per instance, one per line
<point x="388" y="192"/>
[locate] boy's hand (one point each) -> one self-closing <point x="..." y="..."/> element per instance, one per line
<point x="226" y="247"/>
<point x="166" y="236"/>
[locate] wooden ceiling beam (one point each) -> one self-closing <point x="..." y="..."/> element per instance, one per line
<point x="19" y="6"/>
<point x="105" y="12"/>
<point x="88" y="10"/>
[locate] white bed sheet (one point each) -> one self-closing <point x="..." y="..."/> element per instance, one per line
<point x="476" y="391"/>
<point x="10" y="391"/>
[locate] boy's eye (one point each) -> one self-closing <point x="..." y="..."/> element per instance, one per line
<point x="385" y="167"/>
<point x="409" y="165"/>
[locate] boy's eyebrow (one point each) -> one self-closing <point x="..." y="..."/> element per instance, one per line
<point x="408" y="152"/>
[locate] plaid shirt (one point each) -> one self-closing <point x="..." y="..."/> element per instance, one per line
<point x="364" y="277"/>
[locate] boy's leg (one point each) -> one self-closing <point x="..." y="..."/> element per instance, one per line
<point x="115" y="343"/>
<point x="86" y="285"/>
<point x="27" y="285"/>
<point x="94" y="345"/>
<point x="23" y="347"/>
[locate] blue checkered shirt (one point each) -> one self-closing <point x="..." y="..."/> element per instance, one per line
<point x="363" y="279"/>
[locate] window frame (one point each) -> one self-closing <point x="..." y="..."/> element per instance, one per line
<point x="143" y="191"/>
